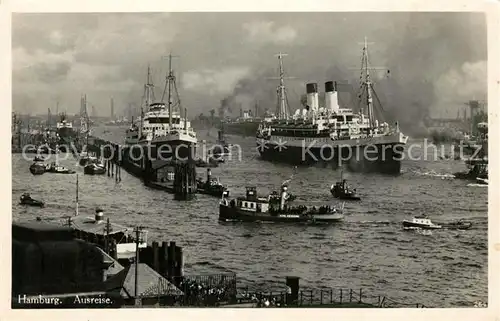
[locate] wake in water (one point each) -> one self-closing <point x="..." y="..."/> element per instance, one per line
<point x="476" y="185"/>
<point x="434" y="174"/>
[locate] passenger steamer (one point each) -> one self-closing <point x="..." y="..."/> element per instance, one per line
<point x="162" y="133"/>
<point x="275" y="208"/>
<point x="331" y="133"/>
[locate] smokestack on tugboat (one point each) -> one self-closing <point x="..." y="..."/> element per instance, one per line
<point x="331" y="96"/>
<point x="251" y="194"/>
<point x="99" y="215"/>
<point x="209" y="175"/>
<point x="312" y="96"/>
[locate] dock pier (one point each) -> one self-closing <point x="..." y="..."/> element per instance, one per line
<point x="176" y="177"/>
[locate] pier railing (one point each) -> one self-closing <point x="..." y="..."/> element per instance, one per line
<point x="220" y="291"/>
<point x="329" y="298"/>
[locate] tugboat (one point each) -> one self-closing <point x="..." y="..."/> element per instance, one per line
<point x="221" y="149"/>
<point x="38" y="168"/>
<point x="266" y="209"/>
<point x="94" y="168"/>
<point x="58" y="169"/>
<point x="420" y="222"/>
<point x="27" y="200"/>
<point x="211" y="186"/>
<point x="341" y="190"/>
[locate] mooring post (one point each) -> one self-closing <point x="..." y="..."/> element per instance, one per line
<point x="156" y="261"/>
<point x="292" y="282"/>
<point x="163" y="259"/>
<point x="171" y="260"/>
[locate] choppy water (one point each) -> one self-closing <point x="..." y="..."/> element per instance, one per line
<point x="369" y="250"/>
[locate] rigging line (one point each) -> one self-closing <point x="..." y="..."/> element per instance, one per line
<point x="178" y="97"/>
<point x="384" y="113"/>
<point x="165" y="87"/>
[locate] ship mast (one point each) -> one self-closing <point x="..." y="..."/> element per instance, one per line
<point x="367" y="84"/>
<point x="369" y="99"/>
<point x="49" y="118"/>
<point x="84" y="119"/>
<point x="148" y="89"/>
<point x="169" y="87"/>
<point x="282" y="108"/>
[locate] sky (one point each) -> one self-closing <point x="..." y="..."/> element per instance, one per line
<point x="437" y="61"/>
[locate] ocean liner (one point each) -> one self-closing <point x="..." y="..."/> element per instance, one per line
<point x="332" y="134"/>
<point x="162" y="133"/>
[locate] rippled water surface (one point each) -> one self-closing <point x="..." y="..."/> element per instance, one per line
<point x="369" y="250"/>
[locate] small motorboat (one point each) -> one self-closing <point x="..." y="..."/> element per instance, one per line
<point x="38" y="159"/>
<point x="94" y="169"/>
<point x="482" y="181"/>
<point x="342" y="190"/>
<point x="27" y="200"/>
<point x="38" y="168"/>
<point x="420" y="222"/>
<point x="459" y="225"/>
<point x="58" y="169"/>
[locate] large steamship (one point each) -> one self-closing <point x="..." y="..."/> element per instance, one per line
<point x="162" y="132"/>
<point x="332" y="134"/>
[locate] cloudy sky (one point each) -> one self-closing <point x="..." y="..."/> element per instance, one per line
<point x="436" y="60"/>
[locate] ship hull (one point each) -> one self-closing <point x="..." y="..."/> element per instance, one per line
<point x="228" y="213"/>
<point x="134" y="157"/>
<point x="382" y="157"/>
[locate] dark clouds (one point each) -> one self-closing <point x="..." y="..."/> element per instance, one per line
<point x="104" y="55"/>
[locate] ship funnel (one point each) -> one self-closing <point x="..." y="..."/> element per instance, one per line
<point x="312" y="96"/>
<point x="209" y="174"/>
<point x="331" y="96"/>
<point x="99" y="215"/>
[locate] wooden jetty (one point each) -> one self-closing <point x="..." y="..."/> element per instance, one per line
<point x="176" y="177"/>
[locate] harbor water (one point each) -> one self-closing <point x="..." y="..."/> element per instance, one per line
<point x="369" y="250"/>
